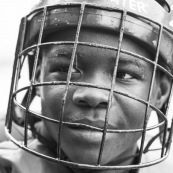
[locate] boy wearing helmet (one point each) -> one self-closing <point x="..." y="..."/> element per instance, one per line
<point x="100" y="68"/>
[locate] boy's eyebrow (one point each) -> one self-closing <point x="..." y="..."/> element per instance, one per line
<point x="59" y="50"/>
<point x="132" y="61"/>
<point x="55" y="56"/>
<point x="124" y="58"/>
<point x="64" y="56"/>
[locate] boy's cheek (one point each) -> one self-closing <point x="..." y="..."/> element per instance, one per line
<point x="51" y="99"/>
<point x="130" y="112"/>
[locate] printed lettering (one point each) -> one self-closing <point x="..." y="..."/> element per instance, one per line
<point x="142" y="7"/>
<point x="116" y="1"/>
<point x="133" y="5"/>
<point x="124" y="3"/>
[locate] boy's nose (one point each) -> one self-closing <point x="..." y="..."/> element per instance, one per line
<point x="91" y="97"/>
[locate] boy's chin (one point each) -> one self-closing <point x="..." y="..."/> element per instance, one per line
<point x="87" y="157"/>
<point x="90" y="155"/>
<point x="93" y="160"/>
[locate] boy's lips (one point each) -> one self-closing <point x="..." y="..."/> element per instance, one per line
<point x="82" y="132"/>
<point x="85" y="123"/>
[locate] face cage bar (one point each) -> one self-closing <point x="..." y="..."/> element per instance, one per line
<point x="16" y="75"/>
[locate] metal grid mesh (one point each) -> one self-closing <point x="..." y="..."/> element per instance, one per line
<point x="16" y="75"/>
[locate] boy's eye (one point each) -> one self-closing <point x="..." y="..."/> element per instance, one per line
<point x="60" y="71"/>
<point x="62" y="68"/>
<point x="124" y="75"/>
<point x="65" y="68"/>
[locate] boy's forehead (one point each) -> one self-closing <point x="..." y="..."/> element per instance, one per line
<point x="99" y="36"/>
<point x="104" y="38"/>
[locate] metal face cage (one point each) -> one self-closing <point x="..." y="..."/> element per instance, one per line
<point x="29" y="46"/>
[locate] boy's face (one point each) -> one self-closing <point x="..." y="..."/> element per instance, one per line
<point x="88" y="105"/>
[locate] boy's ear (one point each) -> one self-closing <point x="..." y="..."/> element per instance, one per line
<point x="163" y="91"/>
<point x="37" y="79"/>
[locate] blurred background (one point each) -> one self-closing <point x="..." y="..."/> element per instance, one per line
<point x="11" y="12"/>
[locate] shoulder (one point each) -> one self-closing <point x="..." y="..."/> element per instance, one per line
<point x="18" y="160"/>
<point x="4" y="170"/>
<point x="7" y="155"/>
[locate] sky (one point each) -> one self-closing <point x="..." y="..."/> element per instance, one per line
<point x="11" y="12"/>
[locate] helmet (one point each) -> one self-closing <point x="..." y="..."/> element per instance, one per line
<point x="146" y="21"/>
